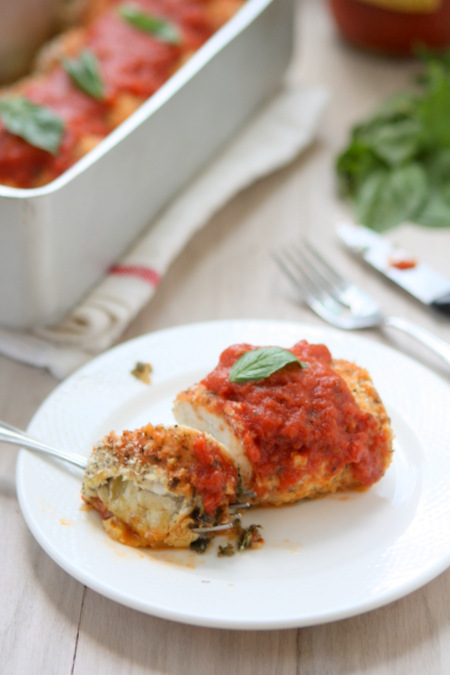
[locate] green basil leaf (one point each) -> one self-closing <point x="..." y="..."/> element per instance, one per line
<point x="437" y="166"/>
<point x="354" y="166"/>
<point x="162" y="29"/>
<point x="392" y="196"/>
<point x="257" y="364"/>
<point x="396" y="166"/>
<point x="394" y="142"/>
<point x="85" y="73"/>
<point x="430" y="58"/>
<point x="36" y="124"/>
<point x="434" y="109"/>
<point x="436" y="212"/>
<point x="436" y="162"/>
<point x="396" y="108"/>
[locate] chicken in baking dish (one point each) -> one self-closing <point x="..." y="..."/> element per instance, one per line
<point x="314" y="426"/>
<point x="93" y="77"/>
<point x="153" y="486"/>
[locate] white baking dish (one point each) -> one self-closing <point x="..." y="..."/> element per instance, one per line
<point x="57" y="241"/>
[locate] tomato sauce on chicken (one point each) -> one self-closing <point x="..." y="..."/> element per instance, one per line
<point x="211" y="475"/>
<point x="297" y="420"/>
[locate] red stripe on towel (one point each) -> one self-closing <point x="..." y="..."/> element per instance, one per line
<point x="146" y="273"/>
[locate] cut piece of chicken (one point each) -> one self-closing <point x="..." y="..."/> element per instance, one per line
<point x="155" y="484"/>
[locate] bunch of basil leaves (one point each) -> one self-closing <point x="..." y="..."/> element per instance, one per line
<point x="396" y="167"/>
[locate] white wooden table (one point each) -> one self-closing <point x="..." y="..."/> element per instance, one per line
<point x="50" y="623"/>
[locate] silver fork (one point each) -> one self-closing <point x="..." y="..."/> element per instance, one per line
<point x="344" y="304"/>
<point x="10" y="434"/>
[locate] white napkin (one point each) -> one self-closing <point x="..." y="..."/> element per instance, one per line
<point x="278" y="133"/>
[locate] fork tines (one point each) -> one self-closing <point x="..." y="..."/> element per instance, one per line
<point x="326" y="292"/>
<point x="311" y="274"/>
<point x="223" y="527"/>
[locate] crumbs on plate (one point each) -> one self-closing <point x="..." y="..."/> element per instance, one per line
<point x="142" y="371"/>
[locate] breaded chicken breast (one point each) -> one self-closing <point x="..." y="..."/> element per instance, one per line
<point x="312" y="427"/>
<point x="153" y="485"/>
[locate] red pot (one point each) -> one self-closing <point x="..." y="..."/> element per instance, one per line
<point x="395" y="27"/>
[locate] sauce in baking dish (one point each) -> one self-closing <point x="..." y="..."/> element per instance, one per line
<point x="136" y="46"/>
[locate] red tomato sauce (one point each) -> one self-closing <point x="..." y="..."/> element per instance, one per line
<point x="296" y="411"/>
<point x="212" y="475"/>
<point x="403" y="263"/>
<point x="130" y="62"/>
<point x="101" y="508"/>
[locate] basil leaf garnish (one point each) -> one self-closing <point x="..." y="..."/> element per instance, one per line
<point x="257" y="364"/>
<point x="395" y="166"/>
<point x="36" y="124"/>
<point x="85" y="73"/>
<point x="148" y="23"/>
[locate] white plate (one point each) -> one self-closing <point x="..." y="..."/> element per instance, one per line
<point x="323" y="560"/>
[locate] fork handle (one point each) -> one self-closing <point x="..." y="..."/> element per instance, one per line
<point x="439" y="347"/>
<point x="9" y="434"/>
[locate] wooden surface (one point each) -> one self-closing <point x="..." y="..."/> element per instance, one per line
<point x="49" y="623"/>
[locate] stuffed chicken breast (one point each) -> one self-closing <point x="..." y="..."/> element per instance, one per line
<point x="153" y="485"/>
<point x="311" y="427"/>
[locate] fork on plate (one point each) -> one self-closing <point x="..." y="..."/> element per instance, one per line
<point x="342" y="303"/>
<point x="14" y="436"/>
